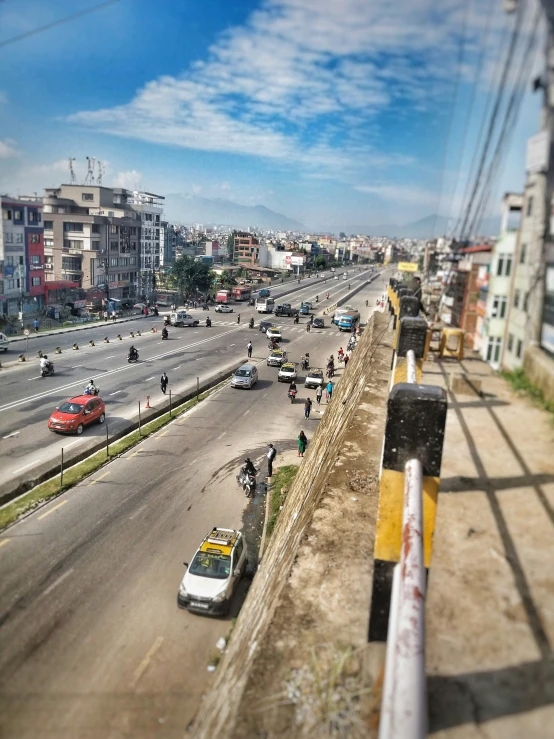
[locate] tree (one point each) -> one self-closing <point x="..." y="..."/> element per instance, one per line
<point x="227" y="280"/>
<point x="190" y="276"/>
<point x="342" y="235"/>
<point x="231" y="241"/>
<point x="320" y="262"/>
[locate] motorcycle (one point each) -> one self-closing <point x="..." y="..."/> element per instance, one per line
<point x="247" y="482"/>
<point x="48" y="370"/>
<point x="208" y="322"/>
<point x="292" y="394"/>
<point x="165" y="334"/>
<point x="133" y="357"/>
<point x="205" y="307"/>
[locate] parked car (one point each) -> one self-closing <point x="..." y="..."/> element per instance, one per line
<point x="246" y="376"/>
<point x="314" y="378"/>
<point x="214" y="573"/>
<point x="287" y="372"/>
<point x="276" y="358"/>
<point x="223" y="308"/>
<point x="319" y="323"/>
<point x="76" y="413"/>
<point x="4" y="342"/>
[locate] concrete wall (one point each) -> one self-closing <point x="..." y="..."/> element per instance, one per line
<point x="539" y="368"/>
<point x="308" y="606"/>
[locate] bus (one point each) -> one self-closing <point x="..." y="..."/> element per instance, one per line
<point x="349" y="320"/>
<point x="241" y="294"/>
<point x="265" y="305"/>
<point x="223" y="296"/>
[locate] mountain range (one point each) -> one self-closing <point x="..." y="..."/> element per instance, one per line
<point x="425" y="228"/>
<point x="193" y="209"/>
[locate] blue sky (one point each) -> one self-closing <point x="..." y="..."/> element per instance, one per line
<point x="334" y="112"/>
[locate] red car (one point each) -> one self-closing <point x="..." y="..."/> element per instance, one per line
<point x="76" y="413"/>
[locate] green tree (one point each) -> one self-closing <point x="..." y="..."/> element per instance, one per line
<point x="227" y="280"/>
<point x="231" y="241"/>
<point x="189" y="276"/>
<point x="320" y="262"/>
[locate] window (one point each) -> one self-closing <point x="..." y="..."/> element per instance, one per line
<point x="73" y="244"/>
<point x="499" y="307"/>
<point x="20" y="259"/>
<point x="8" y="238"/>
<point x="133" y="245"/>
<point x="18" y="238"/>
<point x="510" y="343"/>
<point x="87" y="196"/>
<point x="48" y="224"/>
<point x="504" y="265"/>
<point x="7" y="214"/>
<point x="111" y="278"/>
<point x="517" y="297"/>
<point x="48" y="242"/>
<point x="114" y="245"/>
<point x="34" y="216"/>
<point x="113" y="229"/>
<point x="18" y="215"/>
<point x="11" y="284"/>
<point x="72" y="264"/>
<point x="523" y="254"/>
<point x="519" y="348"/>
<point x="123" y="261"/>
<point x="35" y="259"/>
<point x="526" y="302"/>
<point x="72" y="226"/>
<point x="35" y="239"/>
<point x="529" y="209"/>
<point x="113" y="262"/>
<point x="9" y="261"/>
<point x="49" y="260"/>
<point x="36" y="281"/>
<point x="132" y="260"/>
<point x="124" y="276"/>
<point x="111" y="214"/>
<point x="95" y="228"/>
<point x="134" y="230"/>
<point x="95" y="246"/>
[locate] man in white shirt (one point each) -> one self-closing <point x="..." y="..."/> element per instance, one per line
<point x="271" y="454"/>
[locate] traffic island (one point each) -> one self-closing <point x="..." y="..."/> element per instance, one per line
<point x="299" y="663"/>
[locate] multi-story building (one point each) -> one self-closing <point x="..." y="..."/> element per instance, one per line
<point x="21" y="255"/>
<point x="493" y="305"/>
<point x="150" y="208"/>
<point x="246" y="249"/>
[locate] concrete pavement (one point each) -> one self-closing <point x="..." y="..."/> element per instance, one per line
<point x="92" y="642"/>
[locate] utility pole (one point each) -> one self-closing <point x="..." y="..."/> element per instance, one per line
<point x="545" y="180"/>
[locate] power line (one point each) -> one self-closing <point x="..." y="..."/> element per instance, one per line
<point x="54" y="24"/>
<point x="494" y="115"/>
<point x="461" y="51"/>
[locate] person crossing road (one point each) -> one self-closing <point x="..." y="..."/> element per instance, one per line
<point x="249" y="347"/>
<point x="164" y="379"/>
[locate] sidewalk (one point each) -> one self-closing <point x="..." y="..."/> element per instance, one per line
<point x="79" y="327"/>
<point x="490" y="599"/>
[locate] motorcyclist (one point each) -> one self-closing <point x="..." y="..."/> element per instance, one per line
<point x="251" y="324"/>
<point x="340" y="354"/>
<point x="249" y="468"/>
<point x="167" y="321"/>
<point x="296" y="318"/>
<point x="366" y="303"/>
<point x="90" y="388"/>
<point x="45" y="363"/>
<point x="308" y="326"/>
<point x="133" y="352"/>
<point x="317" y="298"/>
<point x="165" y="333"/>
<point x="208" y="322"/>
<point x="292" y="387"/>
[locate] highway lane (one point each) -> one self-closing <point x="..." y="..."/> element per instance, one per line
<point x="92" y="642"/>
<point x="26" y="400"/>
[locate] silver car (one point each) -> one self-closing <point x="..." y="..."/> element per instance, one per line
<point x="246" y="376"/>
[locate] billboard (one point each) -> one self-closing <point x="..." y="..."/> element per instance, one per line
<point x="408" y="266"/>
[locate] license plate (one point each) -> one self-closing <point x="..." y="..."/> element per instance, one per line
<point x="194" y="604"/>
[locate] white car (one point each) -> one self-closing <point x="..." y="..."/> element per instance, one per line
<point x="287" y="372"/>
<point x="273" y="333"/>
<point x="345" y="277"/>
<point x="314" y="378"/>
<point x="223" y="308"/>
<point x="4" y="342"/>
<point x="336" y="277"/>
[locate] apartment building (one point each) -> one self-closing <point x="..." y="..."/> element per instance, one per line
<point x="246" y="249"/>
<point x="149" y="206"/>
<point x="496" y="299"/>
<point x="21" y="255"/>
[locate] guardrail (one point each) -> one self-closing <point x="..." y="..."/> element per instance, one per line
<point x="410" y="476"/>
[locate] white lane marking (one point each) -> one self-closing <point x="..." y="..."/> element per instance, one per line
<point x="247" y="411"/>
<point x="29" y="379"/>
<point x="111" y="356"/>
<point x="73" y="443"/>
<point x="24" y="468"/>
<point x="146" y="661"/>
<point x="57" y="582"/>
<point x="149" y="378"/>
<point x="13" y="433"/>
<point x="116" y="392"/>
<point x="232" y="345"/>
<point x="48" y="393"/>
<point x="221" y="436"/>
<point x="77" y="366"/>
<point x="176" y="368"/>
<point x="139" y="510"/>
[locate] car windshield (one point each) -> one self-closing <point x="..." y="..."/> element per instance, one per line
<point x="317" y="375"/>
<point x="276" y="355"/>
<point x="242" y="373"/>
<point x="70" y="408"/>
<point x="288" y="368"/>
<point x="210" y="564"/>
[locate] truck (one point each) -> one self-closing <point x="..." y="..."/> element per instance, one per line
<point x="284" y="309"/>
<point x="349" y="320"/>
<point x="241" y="294"/>
<point x="223" y="296"/>
<point x="265" y="305"/>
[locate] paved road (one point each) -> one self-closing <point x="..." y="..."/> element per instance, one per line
<point x="27" y="400"/>
<point x="92" y="643"/>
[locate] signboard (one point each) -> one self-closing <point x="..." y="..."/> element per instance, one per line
<point x="537" y="153"/>
<point x="26" y="332"/>
<point x="408" y="266"/>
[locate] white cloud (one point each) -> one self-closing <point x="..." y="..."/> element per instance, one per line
<point x="130" y="180"/>
<point x="401" y="195"/>
<point x="8" y="149"/>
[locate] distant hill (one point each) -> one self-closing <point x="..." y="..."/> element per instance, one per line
<point x="193" y="209"/>
<point x="425" y="228"/>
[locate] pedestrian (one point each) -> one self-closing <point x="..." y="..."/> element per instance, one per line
<point x="106" y="316"/>
<point x="329" y="391"/>
<point x="35" y="324"/>
<point x="249" y="347"/>
<point x="271" y="454"/>
<point x="318" y="394"/>
<point x="238" y="317"/>
<point x="333" y="318"/>
<point x="114" y="314"/>
<point x="307" y="408"/>
<point x="164" y="379"/>
<point x="346" y="358"/>
<point x="302" y="443"/>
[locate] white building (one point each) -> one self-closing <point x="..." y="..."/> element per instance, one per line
<point x="500" y="279"/>
<point x="150" y="208"/>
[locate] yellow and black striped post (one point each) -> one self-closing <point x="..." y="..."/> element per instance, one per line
<point x="416" y="418"/>
<point x="412" y="334"/>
